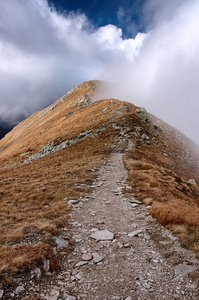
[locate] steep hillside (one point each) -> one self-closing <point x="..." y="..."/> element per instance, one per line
<point x="53" y="157"/>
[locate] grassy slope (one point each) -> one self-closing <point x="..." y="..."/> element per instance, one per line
<point x="158" y="174"/>
<point x="45" y="185"/>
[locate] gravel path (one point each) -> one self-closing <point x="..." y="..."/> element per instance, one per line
<point x="120" y="251"/>
<point x="142" y="261"/>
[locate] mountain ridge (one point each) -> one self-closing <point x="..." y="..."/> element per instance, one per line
<point x="53" y="157"/>
<point x="45" y="126"/>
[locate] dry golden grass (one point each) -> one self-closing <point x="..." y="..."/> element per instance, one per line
<point x="175" y="211"/>
<point x="158" y="174"/>
<point x="26" y="256"/>
<point x="173" y="202"/>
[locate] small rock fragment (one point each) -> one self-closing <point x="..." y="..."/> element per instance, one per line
<point x="36" y="273"/>
<point x="136" y="201"/>
<point x="53" y="295"/>
<point x="61" y="242"/>
<point x="146" y="286"/>
<point x="165" y="242"/>
<point x="118" y="193"/>
<point x="77" y="238"/>
<point x="20" y="289"/>
<point x="87" y="256"/>
<point x="1" y="293"/>
<point x="61" y="254"/>
<point x="81" y="263"/>
<point x="94" y="229"/>
<point x="127" y="245"/>
<point x="97" y="258"/>
<point x="100" y="222"/>
<point x="192" y="182"/>
<point x="79" y="276"/>
<point x="134" y="233"/>
<point x="70" y="298"/>
<point x="70" y="202"/>
<point x="173" y="238"/>
<point x="46" y="265"/>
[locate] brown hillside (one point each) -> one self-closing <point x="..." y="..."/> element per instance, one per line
<point x="52" y="157"/>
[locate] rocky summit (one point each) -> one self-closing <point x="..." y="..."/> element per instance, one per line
<point x="98" y="200"/>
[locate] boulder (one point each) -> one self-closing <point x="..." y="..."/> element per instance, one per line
<point x="142" y="114"/>
<point x="192" y="182"/>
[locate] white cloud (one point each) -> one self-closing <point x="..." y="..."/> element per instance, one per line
<point x="110" y="37"/>
<point x="44" y="53"/>
<point x="164" y="77"/>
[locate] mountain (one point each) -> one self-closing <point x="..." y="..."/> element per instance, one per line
<point x="54" y="156"/>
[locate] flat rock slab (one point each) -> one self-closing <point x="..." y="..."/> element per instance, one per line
<point x="102" y="235"/>
<point x="97" y="258"/>
<point x="184" y="269"/>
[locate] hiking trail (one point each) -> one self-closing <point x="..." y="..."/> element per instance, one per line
<point x="120" y="251"/>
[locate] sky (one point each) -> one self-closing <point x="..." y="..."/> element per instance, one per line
<point x="147" y="49"/>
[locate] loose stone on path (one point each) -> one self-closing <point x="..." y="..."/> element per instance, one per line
<point x="97" y="258"/>
<point x="135" y="233"/>
<point x="87" y="256"/>
<point x="81" y="263"/>
<point x="102" y="235"/>
<point x="1" y="293"/>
